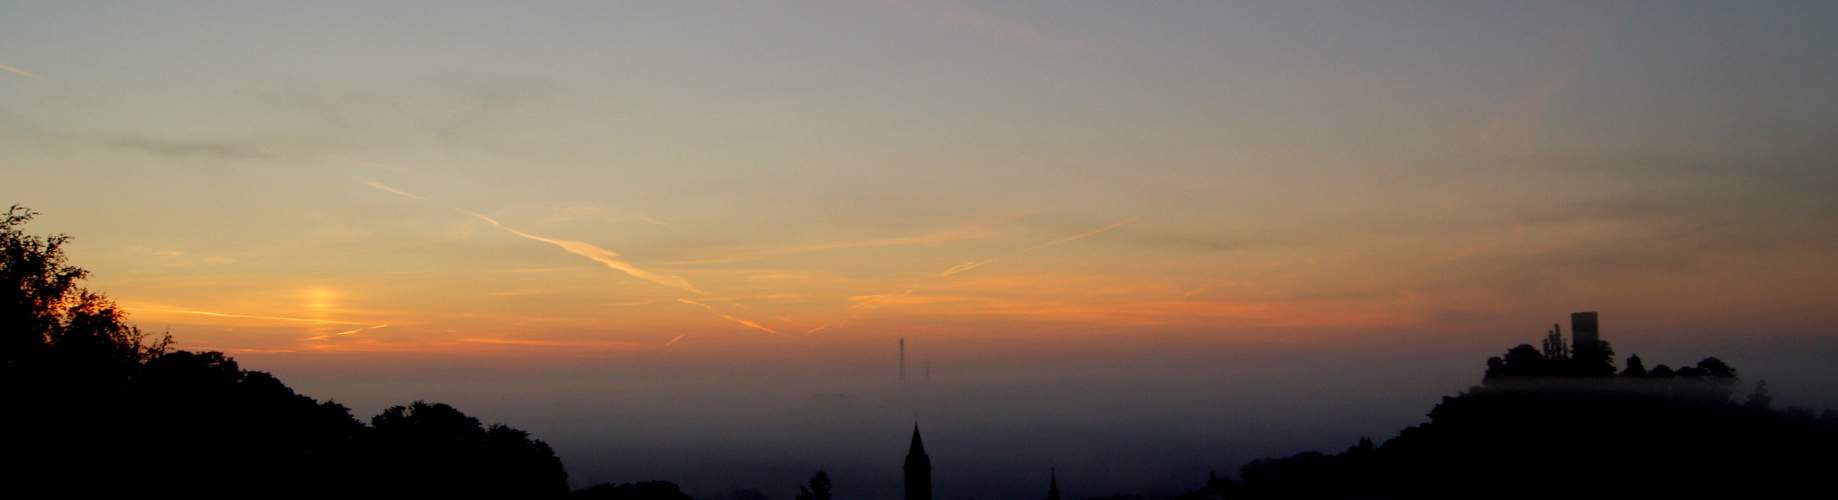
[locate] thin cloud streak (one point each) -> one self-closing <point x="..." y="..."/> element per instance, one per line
<point x="380" y="185"/>
<point x="968" y="266"/>
<point x="610" y="258"/>
<point x="1105" y="228"/>
<point x="20" y="71"/>
<point x="228" y="315"/>
<point x="746" y="323"/>
<point x="346" y="332"/>
<point x="973" y="265"/>
<point x="751" y="253"/>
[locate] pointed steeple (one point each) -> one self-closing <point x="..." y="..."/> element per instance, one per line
<point x="1052" y="484"/>
<point x="918" y="447"/>
<point x="918" y="470"/>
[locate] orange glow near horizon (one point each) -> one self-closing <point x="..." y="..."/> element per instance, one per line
<point x="960" y="172"/>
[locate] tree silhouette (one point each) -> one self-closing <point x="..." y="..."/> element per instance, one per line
<point x="1635" y="368"/>
<point x="1592" y="359"/>
<point x="1544" y="428"/>
<point x="49" y="322"/>
<point x="435" y="450"/>
<point x="819" y="488"/>
<point x="93" y="407"/>
<point x="647" y="490"/>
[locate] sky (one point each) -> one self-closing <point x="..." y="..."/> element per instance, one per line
<point x="1137" y="242"/>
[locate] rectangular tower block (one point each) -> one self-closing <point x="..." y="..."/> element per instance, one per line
<point x="1583" y="328"/>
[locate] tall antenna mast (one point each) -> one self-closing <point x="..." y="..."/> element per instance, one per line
<point x="902" y="359"/>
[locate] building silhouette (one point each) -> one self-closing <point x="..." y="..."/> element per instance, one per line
<point x="918" y="470"/>
<point x="1583" y="329"/>
<point x="1053" y="485"/>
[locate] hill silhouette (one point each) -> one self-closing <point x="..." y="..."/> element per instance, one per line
<point x="95" y="407"/>
<point x="1543" y="425"/>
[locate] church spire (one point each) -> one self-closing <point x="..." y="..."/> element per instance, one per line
<point x="918" y="470"/>
<point x="918" y="447"/>
<point x="1052" y="484"/>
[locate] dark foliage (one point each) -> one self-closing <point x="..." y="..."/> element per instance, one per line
<point x="1541" y="427"/>
<point x="747" y="495"/>
<point x="648" y="490"/>
<point x="446" y="453"/>
<point x="819" y="488"/>
<point x="95" y="409"/>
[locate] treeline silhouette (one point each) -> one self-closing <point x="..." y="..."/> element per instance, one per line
<point x="94" y="406"/>
<point x="1556" y="424"/>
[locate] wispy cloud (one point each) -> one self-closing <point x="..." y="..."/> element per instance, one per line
<point x="11" y="69"/>
<point x="219" y="149"/>
<point x="819" y="328"/>
<point x="967" y="266"/>
<point x="867" y="302"/>
<point x="248" y="316"/>
<point x="1100" y="230"/>
<point x="572" y="344"/>
<point x="973" y="265"/>
<point x="752" y="252"/>
<point x="380" y="185"/>
<point x="743" y="322"/>
<point x="346" y="332"/>
<point x="610" y="258"/>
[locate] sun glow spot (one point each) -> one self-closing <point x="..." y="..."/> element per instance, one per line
<point x="320" y="299"/>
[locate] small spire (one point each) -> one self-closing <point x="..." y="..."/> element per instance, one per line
<point x="918" y="447"/>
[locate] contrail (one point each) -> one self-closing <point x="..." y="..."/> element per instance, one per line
<point x="754" y="325"/>
<point x="227" y="315"/>
<point x="20" y="71"/>
<point x="355" y="330"/>
<point x="678" y="337"/>
<point x="875" y="300"/>
<point x="1105" y="228"/>
<point x="346" y="332"/>
<point x="749" y="324"/>
<point x="970" y="265"/>
<point x="601" y="255"/>
<point x="973" y="265"/>
<point x="380" y="185"/>
<point x="610" y="258"/>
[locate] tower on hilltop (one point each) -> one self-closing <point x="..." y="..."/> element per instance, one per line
<point x="918" y="470"/>
<point x="1583" y="329"/>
